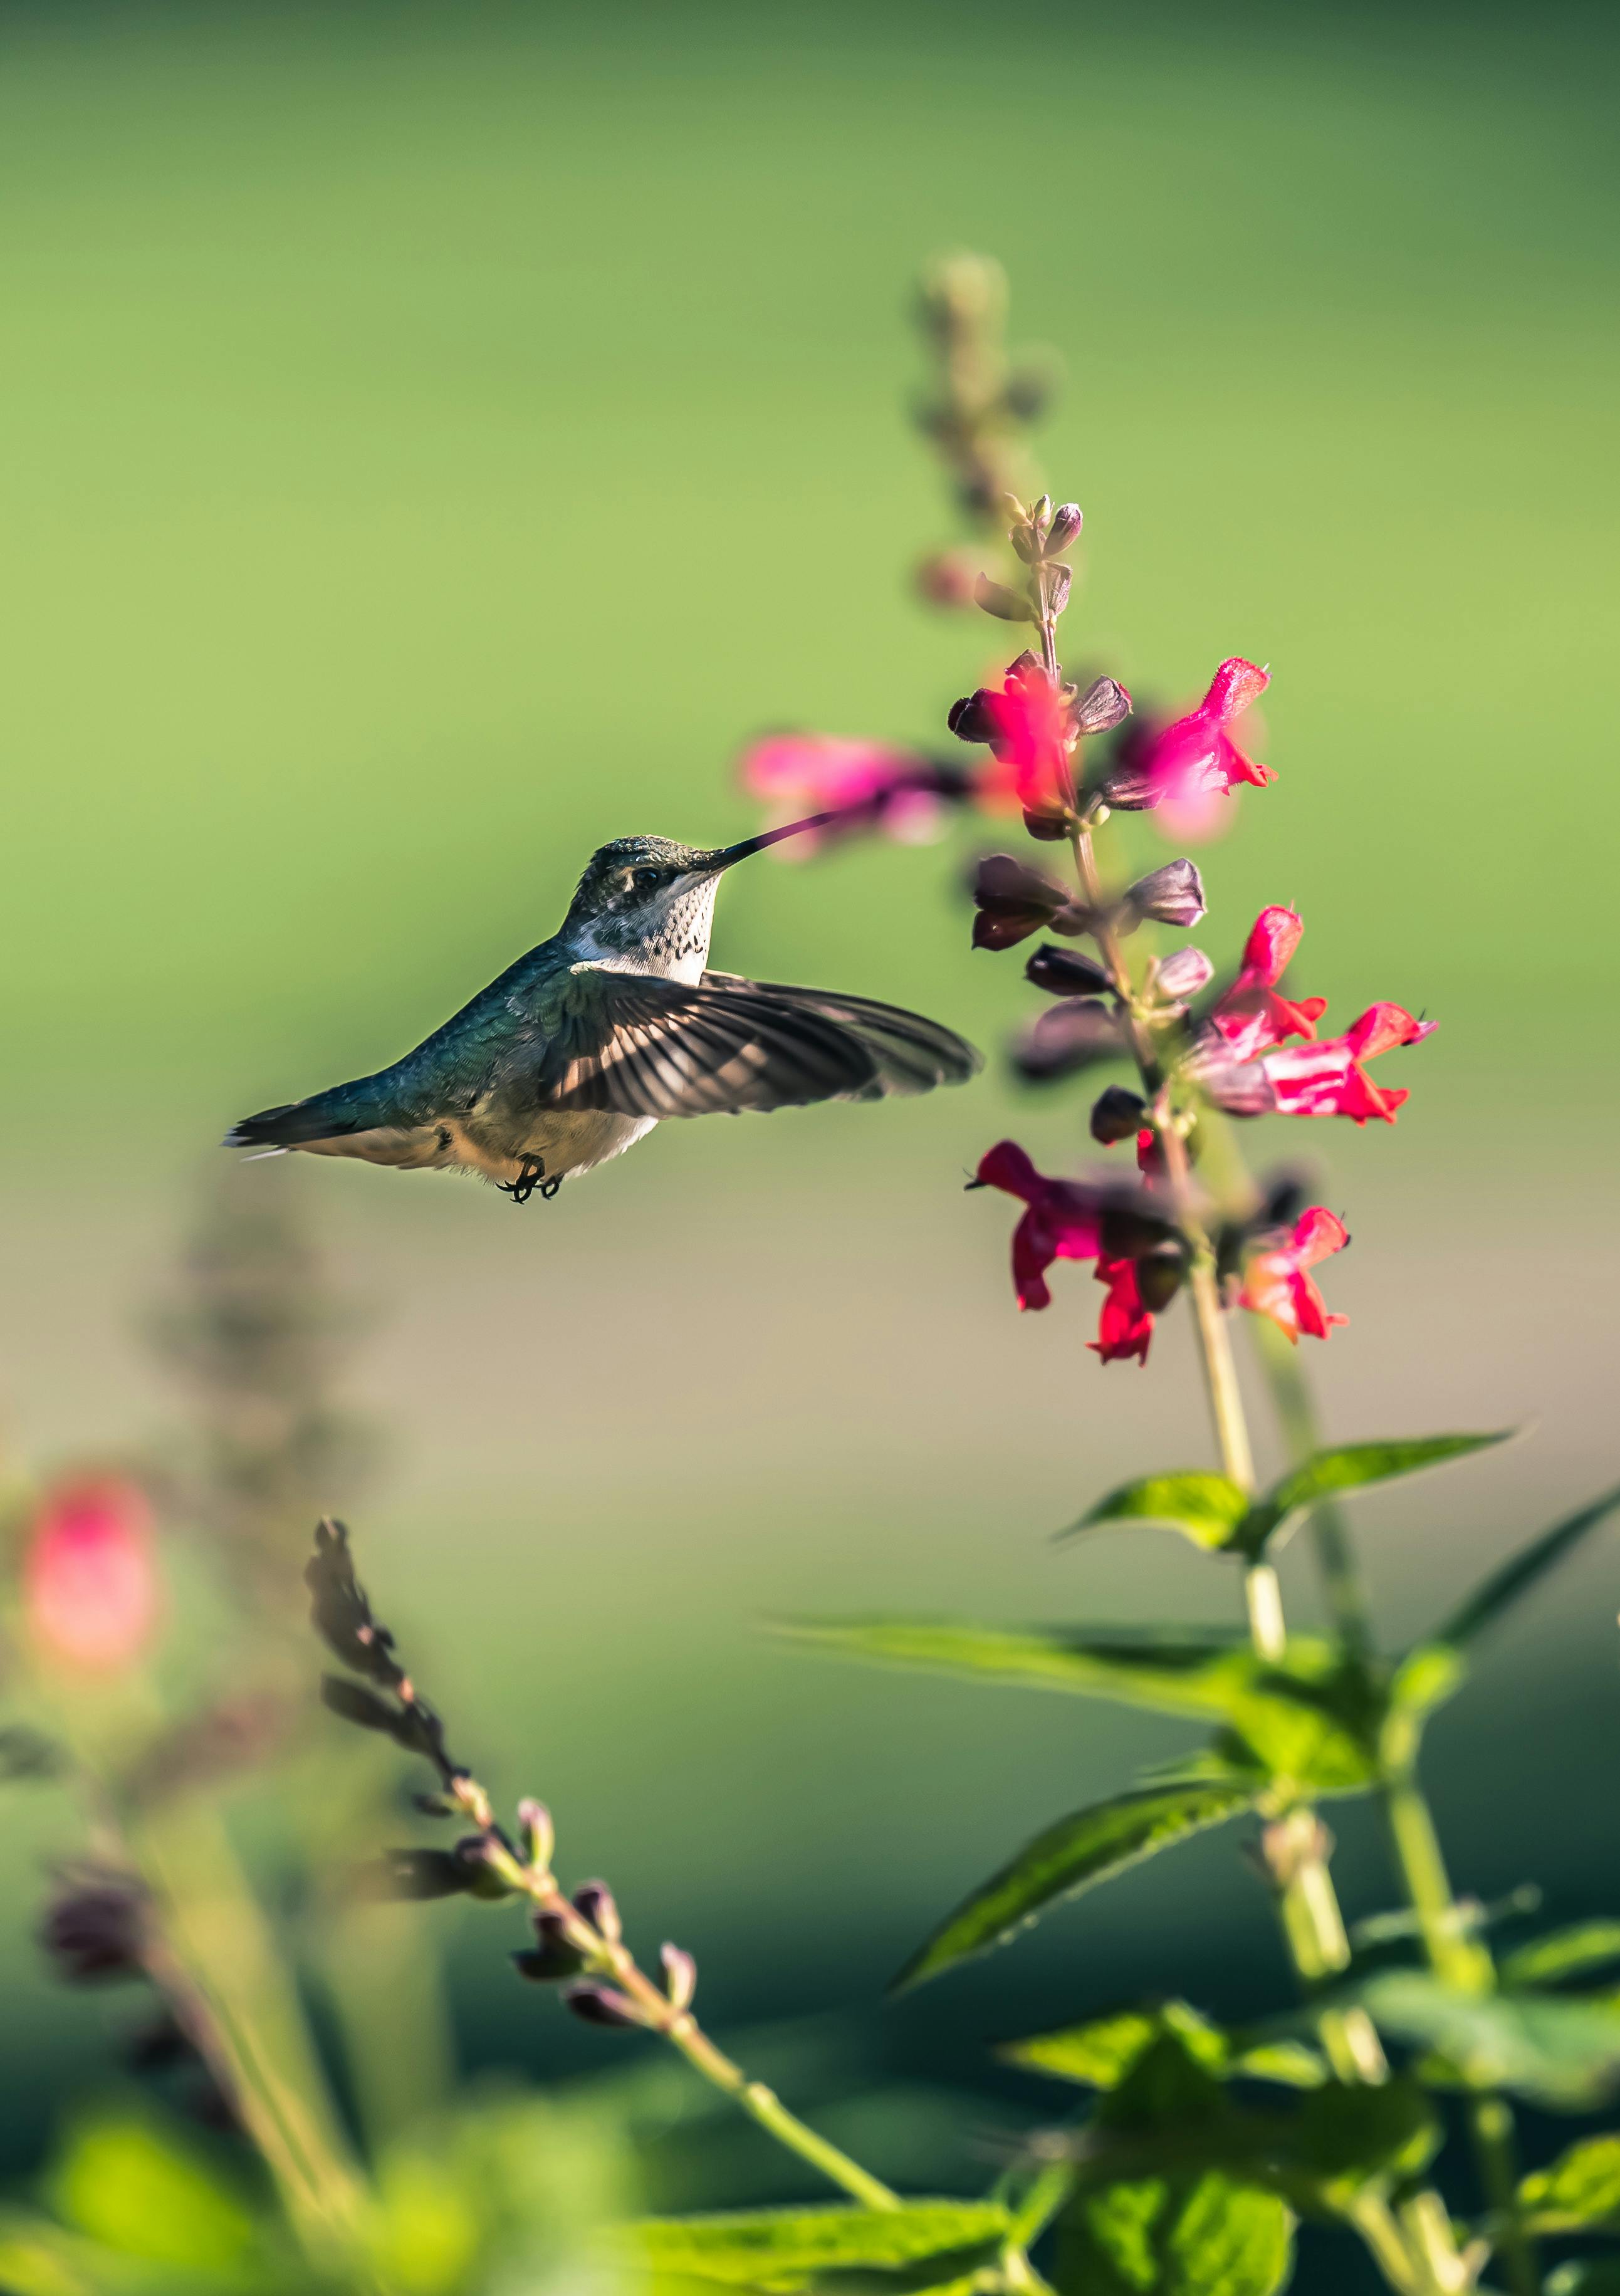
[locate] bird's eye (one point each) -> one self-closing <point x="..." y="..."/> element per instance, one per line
<point x="645" y="880"/>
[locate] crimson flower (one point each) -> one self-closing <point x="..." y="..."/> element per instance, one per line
<point x="1195" y="756"/>
<point x="1125" y="1326"/>
<point x="1063" y="1219"/>
<point x="1139" y="1255"/>
<point x="90" y="1591"/>
<point x="1031" y="725"/>
<point x="1251" y="1016"/>
<point x="1330" y="1078"/>
<point x="872" y="783"/>
<point x="1277" y="1283"/>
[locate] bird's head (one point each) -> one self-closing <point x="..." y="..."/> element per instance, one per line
<point x="651" y="898"/>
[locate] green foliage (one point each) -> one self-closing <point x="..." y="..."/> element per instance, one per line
<point x="1100" y="2054"/>
<point x="1496" y="1595"/>
<point x="1579" y="2193"/>
<point x="144" y="2194"/>
<point x="1203" y="1506"/>
<point x="1069" y="1857"/>
<point x="1202" y="2236"/>
<point x="1560" y="2052"/>
<point x="924" y="2244"/>
<point x="1562" y="1954"/>
<point x="1584" y="2277"/>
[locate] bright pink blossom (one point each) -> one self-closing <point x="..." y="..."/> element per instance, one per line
<point x="90" y="1592"/>
<point x="1125" y="1326"/>
<point x="876" y="785"/>
<point x="1195" y="756"/>
<point x="1062" y="1219"/>
<point x="1252" y="1016"/>
<point x="1330" y="1079"/>
<point x="1276" y="1283"/>
<point x="1031" y="727"/>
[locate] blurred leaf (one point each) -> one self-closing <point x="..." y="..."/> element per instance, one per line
<point x="144" y="2194"/>
<point x="1204" y="2235"/>
<point x="1072" y="1856"/>
<point x="1203" y="1507"/>
<point x="1291" y="2063"/>
<point x="424" y="2230"/>
<point x="1350" y="1467"/>
<point x="26" y="1753"/>
<point x="1425" y="1678"/>
<point x="1497" y="1594"/>
<point x="1562" y="1953"/>
<point x="1348" y="2134"/>
<point x="1580" y="2191"/>
<point x="926" y="2243"/>
<point x="1100" y="2054"/>
<point x="1563" y="2053"/>
<point x="1584" y="2276"/>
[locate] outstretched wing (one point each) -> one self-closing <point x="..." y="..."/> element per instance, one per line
<point x="645" y="1046"/>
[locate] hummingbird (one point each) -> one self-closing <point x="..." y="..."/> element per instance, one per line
<point x="581" y="1046"/>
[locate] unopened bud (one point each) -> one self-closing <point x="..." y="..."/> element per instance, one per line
<point x="1104" y="703"/>
<point x="1005" y="604"/>
<point x="1064" y="972"/>
<point x="1117" y="1114"/>
<point x="540" y="1835"/>
<point x="1028" y="392"/>
<point x="1067" y="519"/>
<point x="552" y="1955"/>
<point x="599" y="2005"/>
<point x="680" y="1975"/>
<point x="968" y="719"/>
<point x="1059" y="581"/>
<point x="594" y="1903"/>
<point x="1075" y="1035"/>
<point x="1183" y="974"/>
<point x="1171" y="896"/>
<point x="946" y="577"/>
<point x="1159" y="1276"/>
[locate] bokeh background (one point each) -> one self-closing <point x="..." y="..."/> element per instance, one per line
<point x="433" y="440"/>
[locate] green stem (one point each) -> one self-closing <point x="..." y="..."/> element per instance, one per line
<point x="1330" y="1532"/>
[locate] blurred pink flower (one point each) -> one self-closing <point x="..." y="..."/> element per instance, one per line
<point x="1125" y="1327"/>
<point x="1251" y="1016"/>
<point x="1194" y="756"/>
<point x="1276" y="1283"/>
<point x="90" y="1593"/>
<point x="1330" y="1080"/>
<point x="875" y="785"/>
<point x="1063" y="1219"/>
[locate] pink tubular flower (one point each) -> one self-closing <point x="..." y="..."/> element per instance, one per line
<point x="1062" y="1219"/>
<point x="1135" y="1247"/>
<point x="1032" y="728"/>
<point x="1276" y="1283"/>
<point x="875" y="785"/>
<point x="90" y="1591"/>
<point x="1195" y="756"/>
<point x="1330" y="1080"/>
<point x="1125" y="1326"/>
<point x="1251" y="1016"/>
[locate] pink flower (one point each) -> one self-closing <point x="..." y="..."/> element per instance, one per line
<point x="1276" y="1283"/>
<point x="875" y="785"/>
<point x="90" y="1591"/>
<point x="1062" y="1220"/>
<point x="1195" y="756"/>
<point x="1330" y="1078"/>
<point x="1033" y="725"/>
<point x="1125" y="1326"/>
<point x="1251" y="1016"/>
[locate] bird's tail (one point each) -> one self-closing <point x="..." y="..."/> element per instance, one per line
<point x="345" y="1109"/>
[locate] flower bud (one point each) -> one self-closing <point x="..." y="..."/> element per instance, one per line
<point x="969" y="719"/>
<point x="90" y="1592"/>
<point x="594" y="1903"/>
<point x="1006" y="605"/>
<point x="680" y="1975"/>
<point x="1064" y="972"/>
<point x="552" y="1955"/>
<point x="540" y="1835"/>
<point x="1028" y="392"/>
<point x="1075" y="1035"/>
<point x="1059" y="582"/>
<point x="1117" y="1114"/>
<point x="946" y="577"/>
<point x="1171" y="896"/>
<point x="1160" y="1275"/>
<point x="1183" y="974"/>
<point x="1067" y="519"/>
<point x="1241" y="1087"/>
<point x="1014" y="902"/>
<point x="94" y="1928"/>
<point x="1104" y="703"/>
<point x="600" y="2005"/>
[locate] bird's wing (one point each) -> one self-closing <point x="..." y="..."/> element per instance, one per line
<point x="645" y="1046"/>
<point x="913" y="1055"/>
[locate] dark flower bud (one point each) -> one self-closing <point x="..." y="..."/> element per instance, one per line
<point x="1059" y="582"/>
<point x="433" y="1805"/>
<point x="1160" y="1275"/>
<point x="1103" y="704"/>
<point x="1075" y="1035"/>
<point x="1067" y="519"/>
<point x="351" y="1702"/>
<point x="1117" y="1114"/>
<point x="1064" y="972"/>
<point x="340" y="1611"/>
<point x="594" y="1903"/>
<point x="551" y="1956"/>
<point x="1171" y="896"/>
<point x="417" y="1873"/>
<point x="1183" y="974"/>
<point x="94" y="1926"/>
<point x="1029" y="392"/>
<point x="1014" y="902"/>
<point x="1241" y="1087"/>
<point x="1132" y="1228"/>
<point x="599" y="2005"/>
<point x="968" y="719"/>
<point x="1006" y="605"/>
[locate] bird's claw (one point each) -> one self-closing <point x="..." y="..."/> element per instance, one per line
<point x="531" y="1176"/>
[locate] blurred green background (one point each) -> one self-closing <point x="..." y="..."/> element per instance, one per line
<point x="433" y="440"/>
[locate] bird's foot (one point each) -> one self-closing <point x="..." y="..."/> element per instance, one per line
<point x="549" y="1187"/>
<point x="531" y="1176"/>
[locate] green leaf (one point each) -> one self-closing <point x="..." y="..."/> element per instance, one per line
<point x="1351" y="1467"/>
<point x="1496" y="1595"/>
<point x="1562" y="1953"/>
<point x="788" y="2248"/>
<point x="1073" y="1855"/>
<point x="1563" y="2053"/>
<point x="1100" y="2054"/>
<point x="1205" y="2235"/>
<point x="1203" y="1507"/>
<point x="141" y="2195"/>
<point x="1580" y="2192"/>
<point x="1290" y="2063"/>
<point x="1348" y="2134"/>
<point x="1584" y="2276"/>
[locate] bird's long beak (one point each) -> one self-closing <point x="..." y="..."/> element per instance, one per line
<point x="725" y="856"/>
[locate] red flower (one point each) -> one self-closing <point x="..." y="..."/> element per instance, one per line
<point x="1251" y="1016"/>
<point x="89" y="1585"/>
<point x="1063" y="1219"/>
<point x="1031" y="727"/>
<point x="1125" y="1327"/>
<point x="1330" y="1080"/>
<point x="1195" y="756"/>
<point x="876" y="786"/>
<point x="1276" y="1283"/>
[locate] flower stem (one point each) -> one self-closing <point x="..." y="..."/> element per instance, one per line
<point x="1336" y="1554"/>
